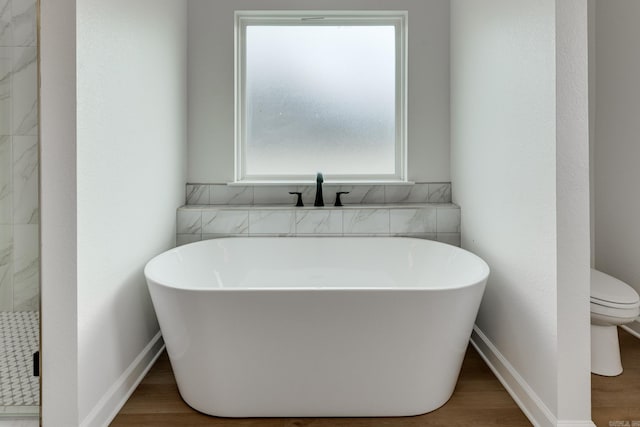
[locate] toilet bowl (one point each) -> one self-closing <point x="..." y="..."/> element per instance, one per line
<point x="613" y="303"/>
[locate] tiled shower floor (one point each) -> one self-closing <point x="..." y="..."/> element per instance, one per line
<point x="18" y="341"/>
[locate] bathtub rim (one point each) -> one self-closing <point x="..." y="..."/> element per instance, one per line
<point x="483" y="274"/>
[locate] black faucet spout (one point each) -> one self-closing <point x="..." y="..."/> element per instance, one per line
<point x="319" y="199"/>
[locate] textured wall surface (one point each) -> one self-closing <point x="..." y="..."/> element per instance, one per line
<point x="504" y="139"/>
<point x="131" y="107"/>
<point x="519" y="125"/>
<point x="616" y="143"/>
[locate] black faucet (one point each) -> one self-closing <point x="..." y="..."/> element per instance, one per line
<point x="299" y="202"/>
<point x="319" y="200"/>
<point x="338" y="201"/>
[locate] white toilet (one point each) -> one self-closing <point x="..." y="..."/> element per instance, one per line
<point x="613" y="303"/>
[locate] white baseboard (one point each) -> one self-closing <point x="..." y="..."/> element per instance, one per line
<point x="524" y="396"/>
<point x="633" y="328"/>
<point x="532" y="406"/>
<point x="114" y="399"/>
<point x="20" y="422"/>
<point x="576" y="424"/>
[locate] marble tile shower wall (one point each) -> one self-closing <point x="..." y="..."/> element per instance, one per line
<point x="19" y="212"/>
<point x="216" y="210"/>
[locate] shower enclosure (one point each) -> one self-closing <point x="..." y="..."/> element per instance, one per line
<point x="19" y="214"/>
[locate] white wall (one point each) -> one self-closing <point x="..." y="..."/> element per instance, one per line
<point x="591" y="4"/>
<point x="123" y="178"/>
<point x="211" y="83"/>
<point x="573" y="211"/>
<point x="617" y="140"/>
<point x="131" y="175"/>
<point x="503" y="172"/>
<point x="58" y="201"/>
<point x="507" y="154"/>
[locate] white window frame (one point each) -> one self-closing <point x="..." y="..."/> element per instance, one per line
<point x="396" y="18"/>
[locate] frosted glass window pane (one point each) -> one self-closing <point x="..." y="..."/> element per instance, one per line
<point x="320" y="98"/>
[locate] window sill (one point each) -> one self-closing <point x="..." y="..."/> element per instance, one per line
<point x="313" y="182"/>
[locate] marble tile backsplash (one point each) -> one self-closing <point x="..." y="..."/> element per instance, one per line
<point x="222" y="194"/>
<point x="19" y="210"/>
<point x="422" y="220"/>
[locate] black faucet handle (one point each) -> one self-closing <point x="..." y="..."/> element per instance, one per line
<point x="338" y="194"/>
<point x="299" y="202"/>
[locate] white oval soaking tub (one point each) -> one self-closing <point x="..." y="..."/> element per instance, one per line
<point x="316" y="327"/>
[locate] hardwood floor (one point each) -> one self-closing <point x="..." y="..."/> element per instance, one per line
<point x="618" y="398"/>
<point x="479" y="400"/>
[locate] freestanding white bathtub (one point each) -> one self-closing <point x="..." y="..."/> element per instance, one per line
<point x="316" y="327"/>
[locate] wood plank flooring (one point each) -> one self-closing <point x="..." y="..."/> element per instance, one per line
<point x="618" y="398"/>
<point x="479" y="400"/>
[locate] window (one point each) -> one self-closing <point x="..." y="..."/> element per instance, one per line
<point x="320" y="91"/>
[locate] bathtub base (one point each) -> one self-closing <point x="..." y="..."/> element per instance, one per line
<point x="320" y="354"/>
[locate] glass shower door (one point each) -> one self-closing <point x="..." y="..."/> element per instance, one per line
<point x="19" y="213"/>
